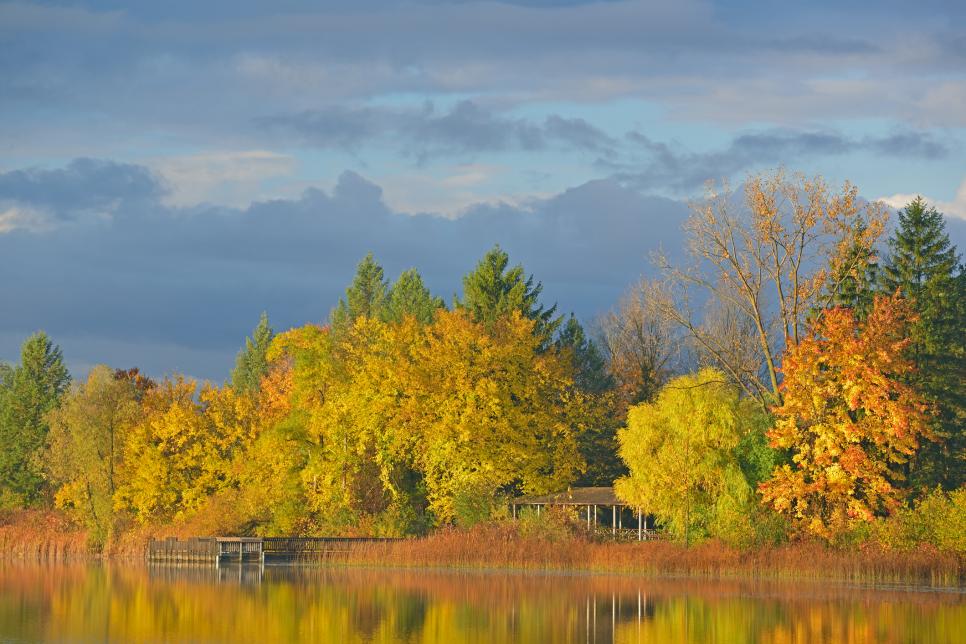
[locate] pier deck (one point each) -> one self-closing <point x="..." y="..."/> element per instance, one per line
<point x="256" y="550"/>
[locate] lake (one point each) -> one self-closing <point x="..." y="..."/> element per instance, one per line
<point x="139" y="603"/>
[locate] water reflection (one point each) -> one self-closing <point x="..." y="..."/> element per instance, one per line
<point x="278" y="604"/>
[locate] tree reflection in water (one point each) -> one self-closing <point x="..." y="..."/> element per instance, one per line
<point x="282" y="604"/>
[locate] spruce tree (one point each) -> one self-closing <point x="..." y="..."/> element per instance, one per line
<point x="598" y="442"/>
<point x="590" y="367"/>
<point x="853" y="282"/>
<point x="252" y="364"/>
<point x="32" y="389"/>
<point x="922" y="266"/>
<point x="409" y="296"/>
<point x="492" y="290"/>
<point x="367" y="296"/>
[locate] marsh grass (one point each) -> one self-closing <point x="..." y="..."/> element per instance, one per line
<point x="546" y="546"/>
<point x="506" y="546"/>
<point x="40" y="535"/>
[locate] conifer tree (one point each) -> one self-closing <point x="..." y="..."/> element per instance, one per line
<point x="598" y="443"/>
<point x="252" y="364"/>
<point x="367" y="296"/>
<point x="853" y="279"/>
<point x="32" y="389"/>
<point x="922" y="267"/>
<point x="409" y="296"/>
<point x="492" y="291"/>
<point x="590" y="367"/>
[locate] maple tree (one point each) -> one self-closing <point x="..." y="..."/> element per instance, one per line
<point x="849" y="419"/>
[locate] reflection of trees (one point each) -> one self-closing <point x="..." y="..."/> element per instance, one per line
<point x="316" y="604"/>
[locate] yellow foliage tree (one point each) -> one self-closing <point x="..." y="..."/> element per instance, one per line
<point x="680" y="451"/>
<point x="183" y="451"/>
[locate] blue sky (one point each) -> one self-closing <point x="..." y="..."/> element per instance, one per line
<point x="169" y="170"/>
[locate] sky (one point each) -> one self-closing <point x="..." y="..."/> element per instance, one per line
<point x="169" y="170"/>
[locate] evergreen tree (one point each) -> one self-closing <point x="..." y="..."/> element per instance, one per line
<point x="409" y="296"/>
<point x="367" y="296"/>
<point x="922" y="266"/>
<point x="590" y="367"/>
<point x="853" y="281"/>
<point x="492" y="291"/>
<point x="32" y="389"/>
<point x="252" y="364"/>
<point x="597" y="443"/>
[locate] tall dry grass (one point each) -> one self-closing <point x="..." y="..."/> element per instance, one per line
<point x="502" y="545"/>
<point x="40" y="535"/>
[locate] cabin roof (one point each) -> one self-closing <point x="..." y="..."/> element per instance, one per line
<point x="573" y="496"/>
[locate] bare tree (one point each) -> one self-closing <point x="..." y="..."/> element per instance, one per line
<point x="643" y="344"/>
<point x="763" y="267"/>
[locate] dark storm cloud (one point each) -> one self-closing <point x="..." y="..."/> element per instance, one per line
<point x="195" y="280"/>
<point x="465" y="128"/>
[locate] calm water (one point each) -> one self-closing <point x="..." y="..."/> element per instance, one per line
<point x="155" y="604"/>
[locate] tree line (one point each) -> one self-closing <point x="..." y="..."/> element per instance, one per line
<point x="783" y="379"/>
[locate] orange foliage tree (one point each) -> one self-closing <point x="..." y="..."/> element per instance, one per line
<point x="848" y="418"/>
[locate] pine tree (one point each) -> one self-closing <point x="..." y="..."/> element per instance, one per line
<point x="409" y="296"/>
<point x="367" y="296"/>
<point x="922" y="266"/>
<point x="492" y="291"/>
<point x="32" y="389"/>
<point x="252" y="364"/>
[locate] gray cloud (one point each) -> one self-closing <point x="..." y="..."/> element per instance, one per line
<point x="465" y="128"/>
<point x="187" y="285"/>
<point x="85" y="186"/>
<point x="170" y="289"/>
<point x="666" y="166"/>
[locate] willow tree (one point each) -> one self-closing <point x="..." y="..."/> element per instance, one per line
<point x="680" y="450"/>
<point x="766" y="264"/>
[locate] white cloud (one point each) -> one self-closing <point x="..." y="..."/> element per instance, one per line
<point x="17" y="217"/>
<point x="453" y="191"/>
<point x="955" y="208"/>
<point x="225" y="178"/>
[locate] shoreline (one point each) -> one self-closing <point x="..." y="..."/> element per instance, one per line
<point x="47" y="536"/>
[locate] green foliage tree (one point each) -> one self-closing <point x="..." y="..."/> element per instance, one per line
<point x="33" y="388"/>
<point x="492" y="291"/>
<point x="251" y="365"/>
<point x="922" y="266"/>
<point x="367" y="296"/>
<point x="84" y="447"/>
<point x="598" y="443"/>
<point x="409" y="296"/>
<point x="681" y="453"/>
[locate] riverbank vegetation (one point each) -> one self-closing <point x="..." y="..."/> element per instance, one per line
<point x="792" y="379"/>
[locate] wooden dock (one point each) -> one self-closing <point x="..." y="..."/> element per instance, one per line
<point x="250" y="550"/>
